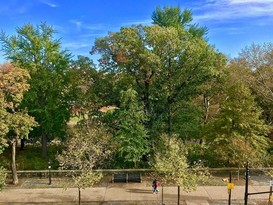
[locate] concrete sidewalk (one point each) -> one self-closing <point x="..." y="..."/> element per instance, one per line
<point x="127" y="192"/>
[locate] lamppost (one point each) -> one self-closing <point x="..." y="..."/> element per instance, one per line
<point x="49" y="172"/>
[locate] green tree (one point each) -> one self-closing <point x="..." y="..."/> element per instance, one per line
<point x="188" y="118"/>
<point x="172" y="16"/>
<point x="93" y="88"/>
<point x="3" y="141"/>
<point x="237" y="134"/>
<point x="84" y="99"/>
<point x="131" y="138"/>
<point x="36" y="50"/>
<point x="172" y="164"/>
<point x="87" y="148"/>
<point x="187" y="65"/>
<point x="168" y="66"/>
<point x="17" y="123"/>
<point x="254" y="63"/>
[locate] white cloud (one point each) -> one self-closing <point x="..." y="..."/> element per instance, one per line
<point x="234" y="9"/>
<point x="231" y="18"/>
<point x="76" y="45"/>
<point x="96" y="27"/>
<point x="250" y="1"/>
<point x="49" y="3"/>
<point x="77" y="23"/>
<point x="80" y="25"/>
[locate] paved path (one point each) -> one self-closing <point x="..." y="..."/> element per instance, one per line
<point x="128" y="192"/>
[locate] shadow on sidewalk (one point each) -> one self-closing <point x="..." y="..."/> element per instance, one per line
<point x="197" y="198"/>
<point x="142" y="191"/>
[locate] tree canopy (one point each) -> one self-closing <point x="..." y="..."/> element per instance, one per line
<point x="36" y="50"/>
<point x="171" y="161"/>
<point x="173" y="16"/>
<point x="131" y="137"/>
<point x="168" y="66"/>
<point x="237" y="132"/>
<point x="16" y="123"/>
<point x="86" y="149"/>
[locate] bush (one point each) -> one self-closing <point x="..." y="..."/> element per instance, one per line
<point x="3" y="176"/>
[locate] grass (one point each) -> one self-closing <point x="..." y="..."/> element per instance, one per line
<point x="30" y="158"/>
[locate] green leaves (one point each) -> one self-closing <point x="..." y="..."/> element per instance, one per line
<point x="87" y="179"/>
<point x="131" y="138"/>
<point x="3" y="176"/>
<point x="237" y="134"/>
<point x="168" y="65"/>
<point x="35" y="50"/>
<point x="87" y="148"/>
<point x="15" y="122"/>
<point x="173" y="17"/>
<point x="171" y="161"/>
<point x="12" y="88"/>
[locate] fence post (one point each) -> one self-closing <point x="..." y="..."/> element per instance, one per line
<point x="246" y="185"/>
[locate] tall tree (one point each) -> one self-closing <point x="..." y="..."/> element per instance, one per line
<point x="169" y="65"/>
<point x="131" y="137"/>
<point x="17" y="123"/>
<point x="257" y="60"/>
<point x="173" y="16"/>
<point x="237" y="134"/>
<point x="93" y="88"/>
<point x="36" y="50"/>
<point x="254" y="67"/>
<point x="187" y="63"/>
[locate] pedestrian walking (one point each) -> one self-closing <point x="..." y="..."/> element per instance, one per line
<point x="155" y="186"/>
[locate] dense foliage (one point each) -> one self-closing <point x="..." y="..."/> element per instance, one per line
<point x="16" y="122"/>
<point x="3" y="176"/>
<point x="171" y="161"/>
<point x="36" y="50"/>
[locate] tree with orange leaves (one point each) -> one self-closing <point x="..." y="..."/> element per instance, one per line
<point x="15" y="122"/>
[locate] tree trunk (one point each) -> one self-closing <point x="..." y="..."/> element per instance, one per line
<point x="169" y="123"/>
<point x="206" y="109"/>
<point x="23" y="140"/>
<point x="162" y="195"/>
<point x="178" y="195"/>
<point x="13" y="162"/>
<point x="206" y="115"/>
<point x="147" y="105"/>
<point x="44" y="144"/>
<point x="79" y="191"/>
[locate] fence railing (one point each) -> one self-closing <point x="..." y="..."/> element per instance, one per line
<point x="65" y="173"/>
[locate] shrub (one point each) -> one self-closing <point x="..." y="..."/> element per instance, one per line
<point x="3" y="176"/>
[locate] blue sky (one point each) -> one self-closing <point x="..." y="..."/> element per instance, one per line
<point x="232" y="24"/>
